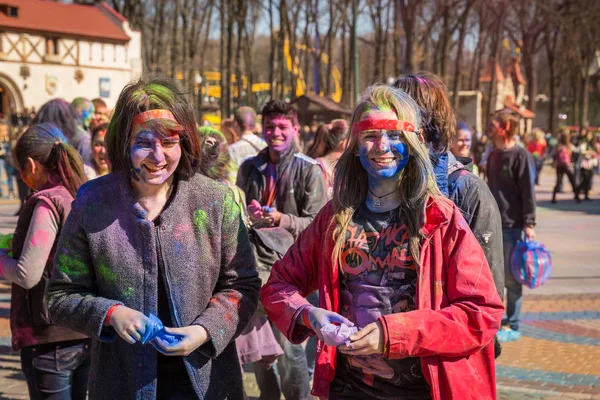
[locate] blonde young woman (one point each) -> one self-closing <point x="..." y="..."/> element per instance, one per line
<point x="395" y="260"/>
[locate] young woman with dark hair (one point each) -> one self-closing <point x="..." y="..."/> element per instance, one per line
<point x="154" y="237"/>
<point x="63" y="115"/>
<point x="54" y="359"/>
<point x="329" y="144"/>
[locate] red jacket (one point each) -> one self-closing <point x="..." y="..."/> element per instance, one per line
<point x="458" y="309"/>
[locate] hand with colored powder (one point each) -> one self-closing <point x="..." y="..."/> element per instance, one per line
<point x="189" y="338"/>
<point x="156" y="329"/>
<point x="317" y="318"/>
<point x="6" y="242"/>
<point x="255" y="211"/>
<point x="129" y="323"/>
<point x="272" y="213"/>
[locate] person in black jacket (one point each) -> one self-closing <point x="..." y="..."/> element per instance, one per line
<point x="511" y="176"/>
<point x="286" y="189"/>
<point x="454" y="175"/>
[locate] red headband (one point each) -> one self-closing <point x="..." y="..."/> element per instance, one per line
<point x="372" y="124"/>
<point x="150" y="115"/>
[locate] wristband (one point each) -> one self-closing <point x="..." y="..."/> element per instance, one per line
<point x="305" y="320"/>
<point x="109" y="314"/>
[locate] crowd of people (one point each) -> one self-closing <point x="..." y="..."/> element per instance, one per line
<point x="155" y="258"/>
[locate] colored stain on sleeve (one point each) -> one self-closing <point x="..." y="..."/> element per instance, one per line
<point x="106" y="273"/>
<point x="200" y="219"/>
<point x="72" y="266"/>
<point x="41" y="238"/>
<point x="231" y="209"/>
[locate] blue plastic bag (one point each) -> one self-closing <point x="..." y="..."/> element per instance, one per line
<point x="531" y="263"/>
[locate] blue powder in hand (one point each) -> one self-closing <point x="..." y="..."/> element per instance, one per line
<point x="156" y="329"/>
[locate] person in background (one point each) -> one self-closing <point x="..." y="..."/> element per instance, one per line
<point x="55" y="360"/>
<point x="249" y="143"/>
<point x="216" y="162"/>
<point x="256" y="343"/>
<point x="537" y="148"/>
<point x="330" y="142"/>
<point x="63" y="115"/>
<point x="101" y="113"/>
<point x="155" y="237"/>
<point x="99" y="165"/>
<point x="286" y="189"/>
<point x="229" y="129"/>
<point x="84" y="109"/>
<point x="564" y="165"/>
<point x="454" y="174"/>
<point x="511" y="176"/>
<point x="461" y="146"/>
<point x="587" y="163"/>
<point x="387" y="219"/>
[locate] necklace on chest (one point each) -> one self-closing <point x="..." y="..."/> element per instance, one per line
<point x="377" y="199"/>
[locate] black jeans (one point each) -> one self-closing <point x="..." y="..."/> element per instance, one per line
<point x="57" y="371"/>
<point x="560" y="173"/>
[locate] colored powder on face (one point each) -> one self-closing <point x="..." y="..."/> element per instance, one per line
<point x="200" y="219"/>
<point x="72" y="266"/>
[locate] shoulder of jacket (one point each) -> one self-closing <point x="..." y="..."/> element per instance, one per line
<point x="306" y="158"/>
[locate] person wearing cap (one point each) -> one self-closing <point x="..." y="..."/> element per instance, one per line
<point x="154" y="238"/>
<point x="394" y="258"/>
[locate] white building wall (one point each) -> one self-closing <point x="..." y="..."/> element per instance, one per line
<point x="119" y="63"/>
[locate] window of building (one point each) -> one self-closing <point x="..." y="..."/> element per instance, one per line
<point x="9" y="10"/>
<point x="52" y="46"/>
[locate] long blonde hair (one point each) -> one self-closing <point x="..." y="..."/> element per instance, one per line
<point x="416" y="182"/>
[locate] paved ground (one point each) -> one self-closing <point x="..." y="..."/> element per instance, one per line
<point x="559" y="354"/>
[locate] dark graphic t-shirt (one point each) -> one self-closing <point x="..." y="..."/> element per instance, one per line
<point x="379" y="277"/>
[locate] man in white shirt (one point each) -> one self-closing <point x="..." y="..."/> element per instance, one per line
<point x="249" y="144"/>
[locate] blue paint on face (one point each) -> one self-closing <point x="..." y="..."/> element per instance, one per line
<point x="382" y="154"/>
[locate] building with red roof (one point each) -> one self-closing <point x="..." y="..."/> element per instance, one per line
<point x="510" y="90"/>
<point x="50" y="49"/>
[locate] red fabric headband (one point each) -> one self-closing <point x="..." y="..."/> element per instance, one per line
<point x="382" y="124"/>
<point x="150" y="115"/>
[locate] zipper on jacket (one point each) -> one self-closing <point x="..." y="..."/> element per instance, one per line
<point x="192" y="373"/>
<point x="166" y="279"/>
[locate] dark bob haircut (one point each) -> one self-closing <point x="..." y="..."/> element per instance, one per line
<point x="274" y="108"/>
<point x="152" y="94"/>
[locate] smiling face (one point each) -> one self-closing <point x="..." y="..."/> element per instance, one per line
<point x="99" y="152"/>
<point x="279" y="133"/>
<point x="154" y="157"/>
<point x="383" y="153"/>
<point x="462" y="143"/>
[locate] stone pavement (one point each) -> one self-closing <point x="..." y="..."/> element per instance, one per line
<point x="558" y="356"/>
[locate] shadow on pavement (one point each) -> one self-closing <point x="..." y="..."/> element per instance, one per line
<point x="589" y="207"/>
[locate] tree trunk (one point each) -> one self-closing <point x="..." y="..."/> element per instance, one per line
<point x="497" y="39"/>
<point x="222" y="61"/>
<point x="445" y="45"/>
<point x="173" y="66"/>
<point x="459" y="52"/>
<point x="550" y="42"/>
<point x="397" y="47"/>
<point x="585" y="98"/>
<point x="330" y="38"/>
<point x="409" y="10"/>
<point x="271" y="52"/>
<point x="307" y="57"/>
<point x="229" y="60"/>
